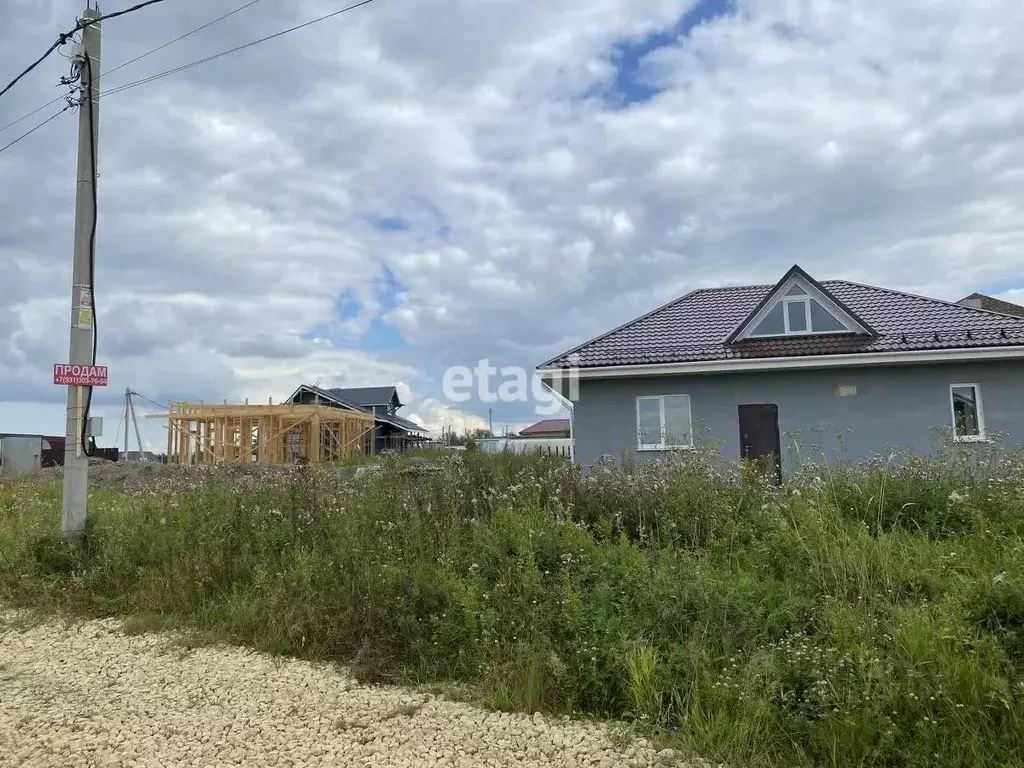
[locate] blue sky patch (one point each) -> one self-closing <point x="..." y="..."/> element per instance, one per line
<point x="630" y="86"/>
<point x="347" y="306"/>
<point x="1002" y="286"/>
<point x="390" y="223"/>
<point x="381" y="336"/>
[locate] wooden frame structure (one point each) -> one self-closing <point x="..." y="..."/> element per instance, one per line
<point x="270" y="434"/>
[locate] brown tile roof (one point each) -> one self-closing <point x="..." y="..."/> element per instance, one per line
<point x="546" y="427"/>
<point x="694" y="328"/>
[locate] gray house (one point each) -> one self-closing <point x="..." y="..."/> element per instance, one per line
<point x="798" y="370"/>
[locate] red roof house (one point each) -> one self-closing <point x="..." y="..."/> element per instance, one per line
<point x="547" y="428"/>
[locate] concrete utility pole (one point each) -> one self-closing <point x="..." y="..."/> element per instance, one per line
<point x="76" y="463"/>
<point x="127" y="400"/>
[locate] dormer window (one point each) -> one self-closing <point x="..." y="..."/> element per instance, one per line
<point x="796" y="313"/>
<point x="798" y="306"/>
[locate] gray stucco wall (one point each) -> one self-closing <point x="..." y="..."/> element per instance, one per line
<point x="905" y="407"/>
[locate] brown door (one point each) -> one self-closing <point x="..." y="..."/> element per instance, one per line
<point x="759" y="436"/>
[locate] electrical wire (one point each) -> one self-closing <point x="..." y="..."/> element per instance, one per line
<point x="162" y="407"/>
<point x="183" y="67"/>
<point x="181" y="37"/>
<point x="87" y="449"/>
<point x="115" y="14"/>
<point x="60" y="41"/>
<point x="35" y="111"/>
<point x="65" y="36"/>
<point x="139" y="58"/>
<point x="28" y="133"/>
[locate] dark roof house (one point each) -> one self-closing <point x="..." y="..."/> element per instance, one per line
<point x="746" y="366"/>
<point x="992" y="304"/>
<point x="392" y="431"/>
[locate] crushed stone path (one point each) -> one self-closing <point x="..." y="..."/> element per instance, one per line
<point x="87" y="695"/>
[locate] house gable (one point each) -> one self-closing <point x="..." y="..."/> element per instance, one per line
<point x="799" y="306"/>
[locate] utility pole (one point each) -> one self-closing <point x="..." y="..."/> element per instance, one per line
<point x="76" y="462"/>
<point x="135" y="421"/>
<point x="127" y="414"/>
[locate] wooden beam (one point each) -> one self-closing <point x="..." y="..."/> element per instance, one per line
<point x="316" y="439"/>
<point x="224" y="433"/>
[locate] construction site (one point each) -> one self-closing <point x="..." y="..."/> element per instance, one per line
<point x="198" y="433"/>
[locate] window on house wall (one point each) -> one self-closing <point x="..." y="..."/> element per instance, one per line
<point x="798" y="313"/>
<point x="663" y="423"/>
<point x="968" y="416"/>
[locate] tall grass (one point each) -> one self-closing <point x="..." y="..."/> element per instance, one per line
<point x="868" y="615"/>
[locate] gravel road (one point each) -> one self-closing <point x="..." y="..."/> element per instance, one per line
<point x="88" y="695"/>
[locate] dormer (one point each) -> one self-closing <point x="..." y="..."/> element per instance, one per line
<point x="799" y="306"/>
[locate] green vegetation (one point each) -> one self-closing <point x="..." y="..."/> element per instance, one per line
<point x="869" y="615"/>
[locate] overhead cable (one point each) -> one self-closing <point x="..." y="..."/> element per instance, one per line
<point x="136" y="59"/>
<point x="65" y="36"/>
<point x="183" y="67"/>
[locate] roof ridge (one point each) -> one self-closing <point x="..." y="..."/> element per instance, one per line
<point x="931" y="299"/>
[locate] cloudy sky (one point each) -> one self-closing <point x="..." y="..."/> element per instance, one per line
<point x="419" y="184"/>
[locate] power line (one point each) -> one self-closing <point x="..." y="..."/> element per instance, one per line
<point x="63" y="39"/>
<point x="65" y="36"/>
<point x="162" y="407"/>
<point x="33" y="130"/>
<point x="138" y="58"/>
<point x="115" y="14"/>
<point x="183" y="67"/>
<point x="182" y="37"/>
<point x="33" y="112"/>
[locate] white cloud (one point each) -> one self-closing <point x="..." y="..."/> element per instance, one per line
<point x="238" y="198"/>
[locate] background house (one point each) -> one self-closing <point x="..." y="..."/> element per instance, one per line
<point x="391" y="431"/>
<point x="797" y="370"/>
<point x="981" y="301"/>
<point x="548" y="428"/>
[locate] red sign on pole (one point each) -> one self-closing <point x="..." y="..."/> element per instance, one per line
<point x="80" y="375"/>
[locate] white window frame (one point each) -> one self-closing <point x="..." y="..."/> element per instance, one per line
<point x="661" y="446"/>
<point x="806" y="301"/>
<point x="809" y="292"/>
<point x="981" y="437"/>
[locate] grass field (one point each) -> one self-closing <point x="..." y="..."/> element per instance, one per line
<point x="869" y="615"/>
